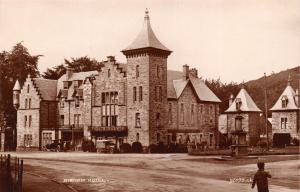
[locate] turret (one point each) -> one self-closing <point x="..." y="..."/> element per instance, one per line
<point x="16" y="94"/>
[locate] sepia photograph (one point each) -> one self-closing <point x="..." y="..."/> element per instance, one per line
<point x="149" y="96"/>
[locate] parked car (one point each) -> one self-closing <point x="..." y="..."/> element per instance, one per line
<point x="105" y="146"/>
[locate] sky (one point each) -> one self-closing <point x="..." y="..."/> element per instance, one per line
<point x="234" y="40"/>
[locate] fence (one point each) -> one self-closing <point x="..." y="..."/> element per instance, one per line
<point x="11" y="174"/>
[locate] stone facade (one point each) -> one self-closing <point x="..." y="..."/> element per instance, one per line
<point x="292" y="123"/>
<point x="123" y="102"/>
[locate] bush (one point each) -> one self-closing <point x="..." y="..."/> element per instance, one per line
<point x="125" y="148"/>
<point x="281" y="139"/>
<point x="88" y="145"/>
<point x="137" y="147"/>
<point x="153" y="148"/>
<point x="161" y="148"/>
<point x="262" y="144"/>
<point x="295" y="141"/>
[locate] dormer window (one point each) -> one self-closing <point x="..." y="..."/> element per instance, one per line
<point x="238" y="104"/>
<point x="284" y="101"/>
<point x="66" y="84"/>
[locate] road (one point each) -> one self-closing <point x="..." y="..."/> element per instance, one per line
<point x="152" y="172"/>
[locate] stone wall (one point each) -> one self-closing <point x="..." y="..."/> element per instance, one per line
<point x="292" y="122"/>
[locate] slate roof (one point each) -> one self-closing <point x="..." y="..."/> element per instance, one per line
<point x="146" y="38"/>
<point x="46" y="87"/>
<point x="247" y="105"/>
<point x="75" y="76"/>
<point x="176" y="84"/>
<point x="290" y="94"/>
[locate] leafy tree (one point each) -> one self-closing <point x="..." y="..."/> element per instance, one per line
<point x="76" y="64"/>
<point x="15" y="64"/>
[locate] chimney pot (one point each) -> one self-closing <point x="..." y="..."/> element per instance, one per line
<point x="186" y="71"/>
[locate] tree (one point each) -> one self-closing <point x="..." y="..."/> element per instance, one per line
<point x="76" y="64"/>
<point x="15" y="64"/>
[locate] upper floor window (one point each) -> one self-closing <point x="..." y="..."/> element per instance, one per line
<point x="134" y="93"/>
<point x="157" y="119"/>
<point x="182" y="113"/>
<point x="29" y="121"/>
<point x="238" y="104"/>
<point x="76" y="84"/>
<point x="238" y="123"/>
<point x="283" y="123"/>
<point x="157" y="70"/>
<point x="62" y="103"/>
<point x="29" y="103"/>
<point x="108" y="73"/>
<point x="284" y="102"/>
<point x="26" y="102"/>
<point x="77" y="102"/>
<point x="137" y="120"/>
<point x="211" y="109"/>
<point x="28" y="87"/>
<point x="66" y="84"/>
<point x="201" y="108"/>
<point x="192" y="114"/>
<point x="141" y="93"/>
<point x="170" y="113"/>
<point x="62" y="120"/>
<point x="25" y="121"/>
<point x="137" y="137"/>
<point x="160" y="94"/>
<point x="137" y="71"/>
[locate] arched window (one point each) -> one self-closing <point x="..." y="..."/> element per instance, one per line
<point x="141" y="93"/>
<point x="137" y="137"/>
<point x="26" y="101"/>
<point x="29" y="103"/>
<point x="157" y="119"/>
<point x="28" y="87"/>
<point x="137" y="71"/>
<point x="108" y="73"/>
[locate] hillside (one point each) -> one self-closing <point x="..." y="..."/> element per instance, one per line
<point x="276" y="83"/>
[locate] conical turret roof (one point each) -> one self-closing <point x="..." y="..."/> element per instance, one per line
<point x="17" y="86"/>
<point x="146" y="38"/>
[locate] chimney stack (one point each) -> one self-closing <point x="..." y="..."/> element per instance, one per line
<point x="194" y="72"/>
<point x="111" y="59"/>
<point x="69" y="73"/>
<point x="186" y="71"/>
<point x="231" y="99"/>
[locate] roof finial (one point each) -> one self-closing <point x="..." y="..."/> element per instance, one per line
<point x="289" y="80"/>
<point x="146" y="14"/>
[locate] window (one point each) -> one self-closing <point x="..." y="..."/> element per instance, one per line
<point x="182" y="113"/>
<point x="62" y="103"/>
<point x="29" y="121"/>
<point x="76" y="84"/>
<point x="160" y="94"/>
<point x="103" y="98"/>
<point x="211" y="109"/>
<point x="76" y="120"/>
<point x="137" y="71"/>
<point x="114" y="120"/>
<point x="170" y="113"/>
<point x="141" y="93"/>
<point x="29" y="103"/>
<point x="28" y="87"/>
<point x="201" y="108"/>
<point x="66" y="84"/>
<point x="134" y="93"/>
<point x="62" y="120"/>
<point x="157" y="119"/>
<point x="26" y="101"/>
<point x="108" y="73"/>
<point x="238" y="104"/>
<point x="77" y="101"/>
<point x="180" y="139"/>
<point x="283" y="122"/>
<point x="157" y="70"/>
<point x="201" y="136"/>
<point x="192" y="114"/>
<point x="137" y="137"/>
<point x="137" y="120"/>
<point x="158" y="137"/>
<point x="238" y="123"/>
<point x="284" y="102"/>
<point x="25" y="121"/>
<point x="211" y="139"/>
<point x="27" y="140"/>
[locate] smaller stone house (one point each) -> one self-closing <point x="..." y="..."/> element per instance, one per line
<point x="286" y="113"/>
<point x="243" y="114"/>
<point x="36" y="114"/>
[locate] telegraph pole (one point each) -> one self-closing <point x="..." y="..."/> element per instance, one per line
<point x="266" y="111"/>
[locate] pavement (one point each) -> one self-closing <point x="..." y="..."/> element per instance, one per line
<point x="34" y="182"/>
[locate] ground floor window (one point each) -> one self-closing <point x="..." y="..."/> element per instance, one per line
<point x="211" y="136"/>
<point x="27" y="140"/>
<point x="47" y="138"/>
<point x="283" y="122"/>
